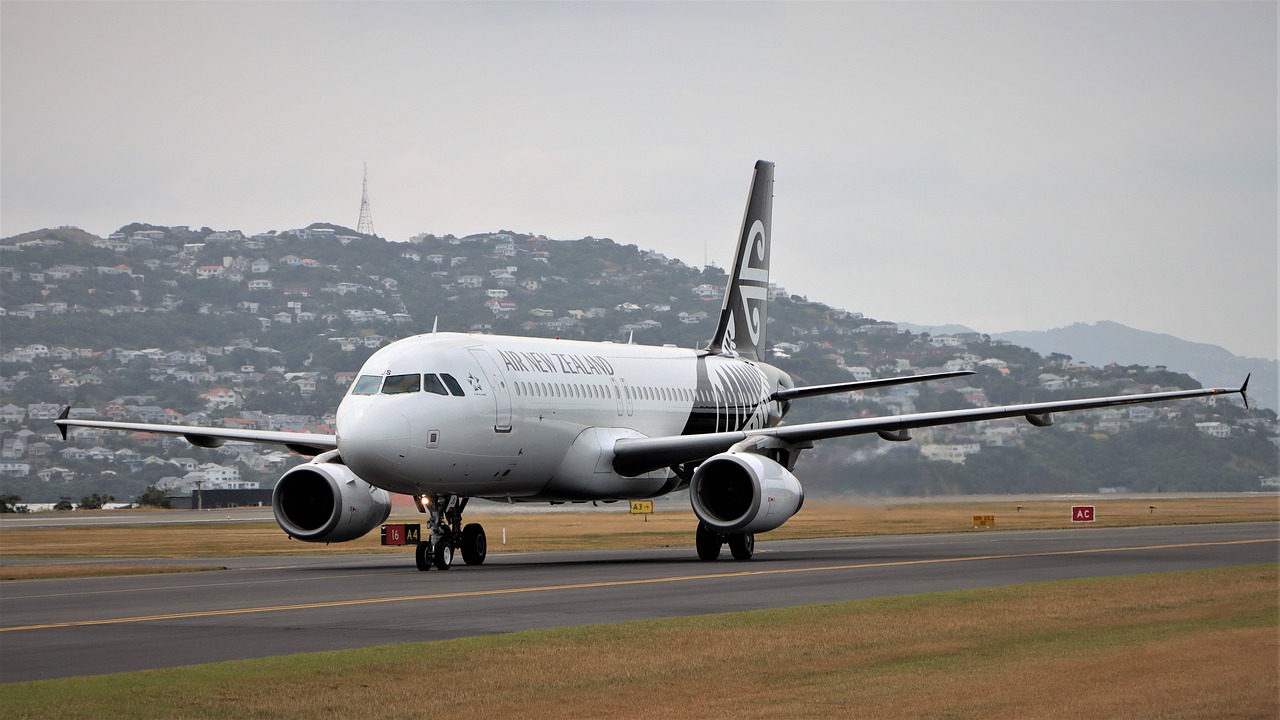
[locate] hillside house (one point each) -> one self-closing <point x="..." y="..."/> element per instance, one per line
<point x="12" y="413"/>
<point x="1214" y="429"/>
<point x="950" y="453"/>
<point x="859" y="372"/>
<point x="221" y="399"/>
<point x="707" y="291"/>
<point x="501" y="307"/>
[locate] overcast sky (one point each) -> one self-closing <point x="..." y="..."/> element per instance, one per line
<point x="1007" y="166"/>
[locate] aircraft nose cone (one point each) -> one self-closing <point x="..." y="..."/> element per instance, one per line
<point x="373" y="441"/>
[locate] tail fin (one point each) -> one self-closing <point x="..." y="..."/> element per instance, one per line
<point x="744" y="314"/>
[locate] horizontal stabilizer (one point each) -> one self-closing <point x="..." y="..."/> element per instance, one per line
<point x="815" y="390"/>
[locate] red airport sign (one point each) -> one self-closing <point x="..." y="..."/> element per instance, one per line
<point x="401" y="534"/>
<point x="1082" y="513"/>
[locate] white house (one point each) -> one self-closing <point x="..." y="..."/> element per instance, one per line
<point x="221" y="398"/>
<point x="1214" y="429"/>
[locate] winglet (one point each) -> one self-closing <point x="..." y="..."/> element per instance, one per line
<point x="1244" y="390"/>
<point x="63" y="416"/>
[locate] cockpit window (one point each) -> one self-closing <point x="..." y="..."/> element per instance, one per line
<point x="432" y="384"/>
<point x="396" y="384"/>
<point x="366" y="385"/>
<point x="454" y="387"/>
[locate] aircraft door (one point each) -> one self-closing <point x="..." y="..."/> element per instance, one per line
<point x="626" y="394"/>
<point x="497" y="387"/>
<point x="617" y="393"/>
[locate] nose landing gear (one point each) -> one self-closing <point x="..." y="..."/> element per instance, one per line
<point x="445" y="534"/>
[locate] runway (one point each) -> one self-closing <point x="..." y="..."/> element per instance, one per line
<point x="274" y="606"/>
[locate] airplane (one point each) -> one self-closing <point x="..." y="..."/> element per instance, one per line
<point x="446" y="417"/>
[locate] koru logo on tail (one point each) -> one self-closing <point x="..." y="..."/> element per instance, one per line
<point x="752" y="289"/>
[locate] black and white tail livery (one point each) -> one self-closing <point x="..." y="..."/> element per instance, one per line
<point x="744" y="314"/>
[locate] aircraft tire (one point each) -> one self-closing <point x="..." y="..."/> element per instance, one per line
<point x="475" y="546"/>
<point x="742" y="546"/>
<point x="443" y="555"/>
<point x="422" y="555"/>
<point x="708" y="542"/>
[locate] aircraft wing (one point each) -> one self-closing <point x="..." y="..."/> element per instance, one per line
<point x="634" y="456"/>
<point x="210" y="437"/>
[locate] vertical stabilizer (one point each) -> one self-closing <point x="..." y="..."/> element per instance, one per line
<point x="744" y="314"/>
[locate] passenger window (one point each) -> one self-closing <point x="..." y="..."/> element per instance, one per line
<point x="454" y="387"/>
<point x="366" y="385"/>
<point x="432" y="384"/>
<point x="397" y="384"/>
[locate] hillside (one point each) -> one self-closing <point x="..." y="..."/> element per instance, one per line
<point x="173" y="324"/>
<point x="1107" y="342"/>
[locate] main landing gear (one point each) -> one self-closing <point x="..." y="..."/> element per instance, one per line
<point x="709" y="542"/>
<point x="445" y="534"/>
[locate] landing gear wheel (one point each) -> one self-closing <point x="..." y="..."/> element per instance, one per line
<point x="422" y="555"/>
<point x="742" y="546"/>
<point x="475" y="546"/>
<point x="443" y="555"/>
<point x="708" y="542"/>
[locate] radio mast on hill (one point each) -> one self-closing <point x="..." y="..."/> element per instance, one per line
<point x="365" y="225"/>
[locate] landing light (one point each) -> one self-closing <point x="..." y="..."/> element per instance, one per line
<point x="422" y="502"/>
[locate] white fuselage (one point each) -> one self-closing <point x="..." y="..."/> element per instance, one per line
<point x="534" y="419"/>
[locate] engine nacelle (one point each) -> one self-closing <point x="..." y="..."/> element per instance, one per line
<point x="739" y="493"/>
<point x="324" y="501"/>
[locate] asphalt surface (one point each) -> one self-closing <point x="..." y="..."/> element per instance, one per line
<point x="275" y="606"/>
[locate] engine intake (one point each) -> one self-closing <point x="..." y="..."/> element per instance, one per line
<point x="739" y="493"/>
<point x="323" y="501"/>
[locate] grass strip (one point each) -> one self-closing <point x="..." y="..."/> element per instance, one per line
<point x="1175" y="645"/>
<point x="49" y="572"/>
<point x="586" y="530"/>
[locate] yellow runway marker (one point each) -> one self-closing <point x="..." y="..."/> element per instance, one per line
<point x="607" y="584"/>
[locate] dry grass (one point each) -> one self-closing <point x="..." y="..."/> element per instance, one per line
<point x="47" y="572"/>
<point x="1180" y="645"/>
<point x="585" y="529"/>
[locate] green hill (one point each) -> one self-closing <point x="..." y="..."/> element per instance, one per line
<point x="151" y="318"/>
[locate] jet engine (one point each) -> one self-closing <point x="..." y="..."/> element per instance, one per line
<point x="323" y="501"/>
<point x="738" y="493"/>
